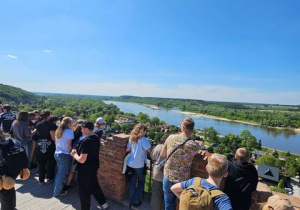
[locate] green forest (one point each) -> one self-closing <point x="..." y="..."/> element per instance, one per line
<point x="285" y="116"/>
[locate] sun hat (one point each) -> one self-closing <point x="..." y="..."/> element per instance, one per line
<point x="275" y="202"/>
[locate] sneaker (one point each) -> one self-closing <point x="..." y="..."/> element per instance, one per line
<point x="42" y="183"/>
<point x="63" y="192"/>
<point x="67" y="187"/>
<point x="103" y="206"/>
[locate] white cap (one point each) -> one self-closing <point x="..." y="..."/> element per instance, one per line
<point x="100" y="120"/>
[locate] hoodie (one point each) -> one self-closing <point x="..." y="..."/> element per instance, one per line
<point x="241" y="181"/>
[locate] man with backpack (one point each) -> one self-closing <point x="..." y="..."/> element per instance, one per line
<point x="12" y="160"/>
<point x="241" y="181"/>
<point x="179" y="150"/>
<point x="200" y="194"/>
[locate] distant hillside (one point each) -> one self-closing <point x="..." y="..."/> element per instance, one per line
<point x="15" y="95"/>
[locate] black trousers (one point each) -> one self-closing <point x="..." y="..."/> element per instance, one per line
<point x="8" y="197"/>
<point x="88" y="185"/>
<point x="46" y="163"/>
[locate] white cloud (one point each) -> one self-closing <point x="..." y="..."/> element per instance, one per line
<point x="12" y="56"/>
<point x="47" y="51"/>
<point x="205" y="92"/>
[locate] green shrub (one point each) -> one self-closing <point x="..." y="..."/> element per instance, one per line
<point x="277" y="189"/>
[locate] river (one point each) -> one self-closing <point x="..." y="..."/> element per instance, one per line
<point x="272" y="138"/>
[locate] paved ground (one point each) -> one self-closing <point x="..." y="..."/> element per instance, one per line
<point x="296" y="188"/>
<point x="32" y="195"/>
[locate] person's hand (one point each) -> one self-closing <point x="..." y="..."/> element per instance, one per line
<point x="73" y="152"/>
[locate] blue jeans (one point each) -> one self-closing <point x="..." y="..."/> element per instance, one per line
<point x="136" y="192"/>
<point x="27" y="144"/>
<point x="170" y="197"/>
<point x="63" y="164"/>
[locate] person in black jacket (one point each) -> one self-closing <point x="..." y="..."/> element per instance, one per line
<point x="241" y="181"/>
<point x="7" y="197"/>
<point x="87" y="156"/>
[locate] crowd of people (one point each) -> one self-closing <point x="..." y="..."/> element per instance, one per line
<point x="64" y="147"/>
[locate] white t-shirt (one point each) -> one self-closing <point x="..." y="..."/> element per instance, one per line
<point x="62" y="143"/>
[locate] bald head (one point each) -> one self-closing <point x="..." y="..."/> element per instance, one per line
<point x="242" y="155"/>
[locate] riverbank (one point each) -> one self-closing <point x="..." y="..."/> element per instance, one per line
<point x="154" y="107"/>
<point x="296" y="130"/>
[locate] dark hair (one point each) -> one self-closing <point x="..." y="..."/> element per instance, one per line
<point x="87" y="124"/>
<point x="53" y="119"/>
<point x="31" y="114"/>
<point x="164" y="138"/>
<point x="7" y="107"/>
<point x="45" y="113"/>
<point x="23" y="116"/>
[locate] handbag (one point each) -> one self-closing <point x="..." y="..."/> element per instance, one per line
<point x="161" y="165"/>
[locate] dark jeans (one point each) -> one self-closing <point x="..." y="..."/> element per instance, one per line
<point x="170" y="197"/>
<point x="88" y="185"/>
<point x="136" y="191"/>
<point x="46" y="162"/>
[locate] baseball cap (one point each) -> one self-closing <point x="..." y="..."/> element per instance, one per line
<point x="87" y="124"/>
<point x="277" y="203"/>
<point x="100" y="120"/>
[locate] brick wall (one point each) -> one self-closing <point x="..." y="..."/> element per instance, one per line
<point x="110" y="177"/>
<point x="113" y="183"/>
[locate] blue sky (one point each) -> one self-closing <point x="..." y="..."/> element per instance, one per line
<point x="243" y="51"/>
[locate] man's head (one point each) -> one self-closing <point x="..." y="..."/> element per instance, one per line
<point x="217" y="166"/>
<point x="7" y="107"/>
<point x="87" y="127"/>
<point x="45" y="114"/>
<point x="187" y="126"/>
<point x="242" y="155"/>
<point x="100" y="122"/>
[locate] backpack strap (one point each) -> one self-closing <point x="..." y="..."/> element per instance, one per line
<point x="197" y="181"/>
<point x="216" y="192"/>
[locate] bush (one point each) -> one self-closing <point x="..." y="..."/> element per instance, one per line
<point x="281" y="184"/>
<point x="277" y="189"/>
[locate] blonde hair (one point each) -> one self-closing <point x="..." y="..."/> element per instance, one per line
<point x="62" y="127"/>
<point x="242" y="155"/>
<point x="137" y="133"/>
<point x="188" y="123"/>
<point x="217" y="165"/>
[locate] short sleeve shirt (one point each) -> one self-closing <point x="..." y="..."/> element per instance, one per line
<point x="90" y="146"/>
<point x="178" y="166"/>
<point x="138" y="153"/>
<point x="221" y="202"/>
<point x="62" y="143"/>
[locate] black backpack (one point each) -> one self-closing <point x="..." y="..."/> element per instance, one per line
<point x="14" y="157"/>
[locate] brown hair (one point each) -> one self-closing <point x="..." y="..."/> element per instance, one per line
<point x="217" y="165"/>
<point x="137" y="133"/>
<point x="22" y="117"/>
<point x="62" y="127"/>
<point x="164" y="138"/>
<point x="242" y="155"/>
<point x="188" y="123"/>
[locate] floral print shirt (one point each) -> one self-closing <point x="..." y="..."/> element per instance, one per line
<point x="178" y="166"/>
